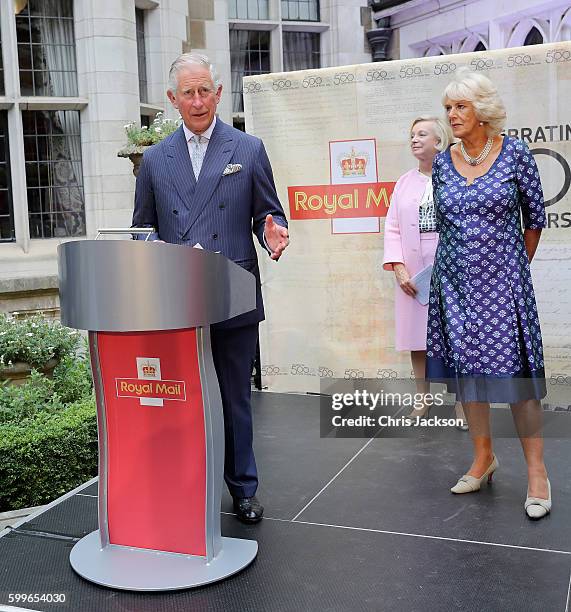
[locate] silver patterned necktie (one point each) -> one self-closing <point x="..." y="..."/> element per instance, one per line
<point x="197" y="154"/>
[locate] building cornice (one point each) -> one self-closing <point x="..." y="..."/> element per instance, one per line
<point x="431" y="8"/>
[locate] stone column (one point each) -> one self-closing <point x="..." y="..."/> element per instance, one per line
<point x="108" y="77"/>
<point x="166" y="34"/>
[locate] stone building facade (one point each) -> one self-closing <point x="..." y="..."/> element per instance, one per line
<point x="74" y="72"/>
<point x="418" y="28"/>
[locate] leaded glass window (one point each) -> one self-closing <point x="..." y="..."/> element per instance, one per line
<point x="54" y="176"/>
<point x="300" y="10"/>
<point x="141" y="55"/>
<point x="6" y="209"/>
<point x="301" y="50"/>
<point x="248" y="9"/>
<point x="249" y="54"/>
<point x="2" y="90"/>
<point x="46" y="48"/>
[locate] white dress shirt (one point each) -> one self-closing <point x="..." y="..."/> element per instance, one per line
<point x="206" y="136"/>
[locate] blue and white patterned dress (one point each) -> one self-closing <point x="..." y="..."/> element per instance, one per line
<point x="483" y="329"/>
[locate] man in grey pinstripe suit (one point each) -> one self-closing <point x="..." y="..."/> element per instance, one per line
<point x="211" y="184"/>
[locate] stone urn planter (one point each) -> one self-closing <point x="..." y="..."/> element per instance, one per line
<point x="135" y="154"/>
<point x="19" y="372"/>
<point x="140" y="138"/>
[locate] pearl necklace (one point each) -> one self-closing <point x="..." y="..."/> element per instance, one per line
<point x="474" y="161"/>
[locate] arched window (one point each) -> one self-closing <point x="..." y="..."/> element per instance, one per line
<point x="480" y="47"/>
<point x="434" y="51"/>
<point x="563" y="31"/>
<point x="533" y="37"/>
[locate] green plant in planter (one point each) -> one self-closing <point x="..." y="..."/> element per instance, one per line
<point x="34" y="340"/>
<point x="71" y="383"/>
<point x="140" y="137"/>
<point x="72" y="378"/>
<point x="21" y="402"/>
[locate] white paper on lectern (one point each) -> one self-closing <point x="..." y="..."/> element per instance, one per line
<point x="421" y="281"/>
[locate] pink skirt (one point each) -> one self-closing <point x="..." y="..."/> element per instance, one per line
<point x="411" y="317"/>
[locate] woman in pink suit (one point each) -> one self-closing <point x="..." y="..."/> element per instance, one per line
<point x="411" y="240"/>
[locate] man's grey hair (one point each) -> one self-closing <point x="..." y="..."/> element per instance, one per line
<point x="191" y="59"/>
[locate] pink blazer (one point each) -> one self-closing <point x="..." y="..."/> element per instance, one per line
<point x="402" y="236"/>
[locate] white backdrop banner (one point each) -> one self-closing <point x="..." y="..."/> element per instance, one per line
<point x="338" y="140"/>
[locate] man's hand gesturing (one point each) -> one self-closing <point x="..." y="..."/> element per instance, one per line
<point x="277" y="237"/>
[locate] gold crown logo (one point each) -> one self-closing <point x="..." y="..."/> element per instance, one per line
<point x="354" y="164"/>
<point x="149" y="370"/>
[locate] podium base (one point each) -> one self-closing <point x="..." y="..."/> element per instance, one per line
<point x="139" y="569"/>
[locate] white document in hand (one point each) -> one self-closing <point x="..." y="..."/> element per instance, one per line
<point x="421" y="281"/>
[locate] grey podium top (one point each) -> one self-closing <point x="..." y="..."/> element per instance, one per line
<point x="133" y="285"/>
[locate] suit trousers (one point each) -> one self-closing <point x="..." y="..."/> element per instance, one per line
<point x="234" y="352"/>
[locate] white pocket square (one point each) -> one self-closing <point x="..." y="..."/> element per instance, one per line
<point x="232" y="169"/>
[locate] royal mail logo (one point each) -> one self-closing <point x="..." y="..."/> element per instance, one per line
<point x="355" y="200"/>
<point x="159" y="389"/>
<point x="149" y="388"/>
<point x="339" y="201"/>
<point x="149" y="370"/>
<point x="354" y="164"/>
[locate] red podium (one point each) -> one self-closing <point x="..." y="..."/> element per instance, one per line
<point x="148" y="307"/>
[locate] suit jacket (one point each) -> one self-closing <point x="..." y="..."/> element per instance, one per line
<point x="219" y="212"/>
<point x="402" y="234"/>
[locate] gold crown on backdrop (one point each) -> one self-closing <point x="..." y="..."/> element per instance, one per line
<point x="149" y="370"/>
<point x="354" y="164"/>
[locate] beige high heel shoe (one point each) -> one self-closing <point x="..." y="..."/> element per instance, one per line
<point x="469" y="484"/>
<point x="536" y="507"/>
<point x="459" y="411"/>
<point x="419" y="413"/>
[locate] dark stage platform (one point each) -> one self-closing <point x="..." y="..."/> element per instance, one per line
<point x="351" y="524"/>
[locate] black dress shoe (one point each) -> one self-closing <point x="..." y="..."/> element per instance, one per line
<point x="248" y="509"/>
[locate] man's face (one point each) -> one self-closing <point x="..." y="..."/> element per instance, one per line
<point x="196" y="98"/>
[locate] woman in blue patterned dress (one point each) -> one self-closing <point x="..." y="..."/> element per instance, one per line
<point x="483" y="329"/>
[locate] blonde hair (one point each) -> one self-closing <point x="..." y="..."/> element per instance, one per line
<point x="441" y="130"/>
<point x="482" y="93"/>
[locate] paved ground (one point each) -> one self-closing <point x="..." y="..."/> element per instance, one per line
<point x="363" y="524"/>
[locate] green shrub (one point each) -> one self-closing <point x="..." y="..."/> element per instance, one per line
<point x="20" y="402"/>
<point x="45" y="456"/>
<point x="72" y="379"/>
<point x="48" y="426"/>
<point x="35" y="340"/>
<point x="71" y="382"/>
